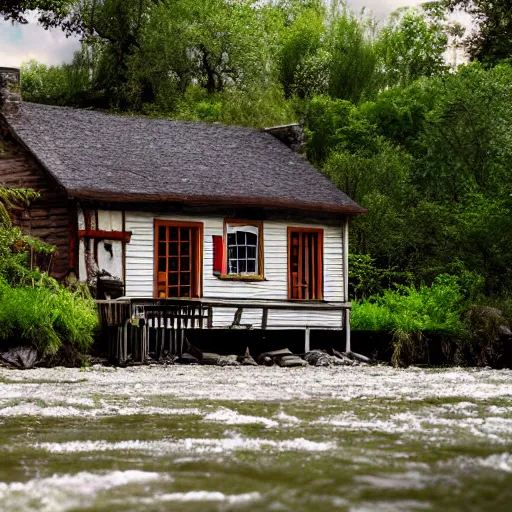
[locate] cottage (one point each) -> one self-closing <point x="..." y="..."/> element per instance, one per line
<point x="228" y="219"/>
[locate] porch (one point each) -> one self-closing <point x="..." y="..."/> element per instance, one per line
<point x="129" y="325"/>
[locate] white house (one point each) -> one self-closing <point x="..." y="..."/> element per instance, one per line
<point x="183" y="211"/>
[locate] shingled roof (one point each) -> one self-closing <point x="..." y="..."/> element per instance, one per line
<point x="99" y="156"/>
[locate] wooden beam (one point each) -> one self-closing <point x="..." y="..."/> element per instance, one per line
<point x="99" y="234"/>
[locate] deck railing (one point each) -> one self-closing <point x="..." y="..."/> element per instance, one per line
<point x="127" y="324"/>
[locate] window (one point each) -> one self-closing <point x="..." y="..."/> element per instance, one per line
<point x="239" y="254"/>
<point x="178" y="259"/>
<point x="242" y="246"/>
<point x="305" y="263"/>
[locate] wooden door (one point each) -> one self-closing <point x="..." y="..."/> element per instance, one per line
<point x="178" y="259"/>
<point x="305" y="264"/>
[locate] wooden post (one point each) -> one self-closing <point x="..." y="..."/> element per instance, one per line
<point x="264" y="318"/>
<point x="238" y="317"/>
<point x="210" y="317"/>
<point x="125" y="339"/>
<point x="348" y="347"/>
<point x="307" y="334"/>
<point x="345" y="285"/>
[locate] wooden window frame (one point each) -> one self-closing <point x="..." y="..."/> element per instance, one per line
<point x="260" y="274"/>
<point x="320" y="259"/>
<point x="198" y="268"/>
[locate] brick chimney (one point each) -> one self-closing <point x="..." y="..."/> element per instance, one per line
<point x="10" y="91"/>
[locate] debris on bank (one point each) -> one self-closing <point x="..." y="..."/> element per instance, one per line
<point x="26" y="357"/>
<point x="283" y="358"/>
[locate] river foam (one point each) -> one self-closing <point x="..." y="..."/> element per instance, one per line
<point x="63" y="492"/>
<point x="189" y="445"/>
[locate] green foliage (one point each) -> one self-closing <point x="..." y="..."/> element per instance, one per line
<point x="143" y="55"/>
<point x="34" y="307"/>
<point x="410" y="309"/>
<point x="68" y="84"/>
<point x="256" y="107"/>
<point x="12" y="199"/>
<point x="51" y="13"/>
<point x="302" y="68"/>
<point x="412" y="45"/>
<point x="47" y="316"/>
<point x="354" y="60"/>
<point x="431" y="163"/>
<point x="366" y="279"/>
<point x="15" y="246"/>
<point x="491" y="41"/>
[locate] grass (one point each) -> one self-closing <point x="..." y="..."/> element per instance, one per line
<point x="47" y="317"/>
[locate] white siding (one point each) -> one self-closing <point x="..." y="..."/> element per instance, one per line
<point x="139" y="269"/>
<point x="113" y="263"/>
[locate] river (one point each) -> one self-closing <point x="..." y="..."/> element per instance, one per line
<point x="255" y="438"/>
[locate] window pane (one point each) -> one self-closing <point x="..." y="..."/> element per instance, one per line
<point x="242" y="266"/>
<point x="231" y="239"/>
<point x="173" y="279"/>
<point x="232" y="253"/>
<point x="173" y="263"/>
<point x="161" y="264"/>
<point x="173" y="233"/>
<point x="251" y="252"/>
<point x="161" y="248"/>
<point x="161" y="232"/>
<point x="173" y="291"/>
<point x="252" y="239"/>
<point x="184" y="291"/>
<point x="242" y="253"/>
<point x="184" y="250"/>
<point x="185" y="263"/>
<point x="251" y="266"/>
<point x="173" y="249"/>
<point x="240" y="237"/>
<point x="185" y="278"/>
<point x="185" y="234"/>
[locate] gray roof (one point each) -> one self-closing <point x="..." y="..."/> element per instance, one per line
<point x="107" y="157"/>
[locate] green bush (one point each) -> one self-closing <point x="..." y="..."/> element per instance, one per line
<point x="47" y="316"/>
<point x="410" y="309"/>
<point x="35" y="308"/>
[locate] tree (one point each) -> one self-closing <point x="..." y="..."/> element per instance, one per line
<point x="51" y="13"/>
<point x="491" y="41"/>
<point x="465" y="147"/>
<point x="227" y="44"/>
<point x="354" y="63"/>
<point x="412" y="45"/>
<point x="302" y="67"/>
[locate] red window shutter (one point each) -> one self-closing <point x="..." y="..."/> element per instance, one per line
<point x="218" y="254"/>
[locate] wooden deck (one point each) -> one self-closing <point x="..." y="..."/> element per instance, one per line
<point x="127" y="323"/>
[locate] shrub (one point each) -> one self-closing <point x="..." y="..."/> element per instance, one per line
<point x="410" y="309"/>
<point x="409" y="312"/>
<point x="34" y="307"/>
<point x="47" y="316"/>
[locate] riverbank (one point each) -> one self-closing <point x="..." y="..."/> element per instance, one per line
<point x="255" y="438"/>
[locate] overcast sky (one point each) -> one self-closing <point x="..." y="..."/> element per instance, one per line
<point x="19" y="43"/>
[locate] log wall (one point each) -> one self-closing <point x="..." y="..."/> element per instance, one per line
<point x="48" y="216"/>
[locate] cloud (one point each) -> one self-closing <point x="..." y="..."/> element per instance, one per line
<point x="381" y="8"/>
<point x="19" y="43"/>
